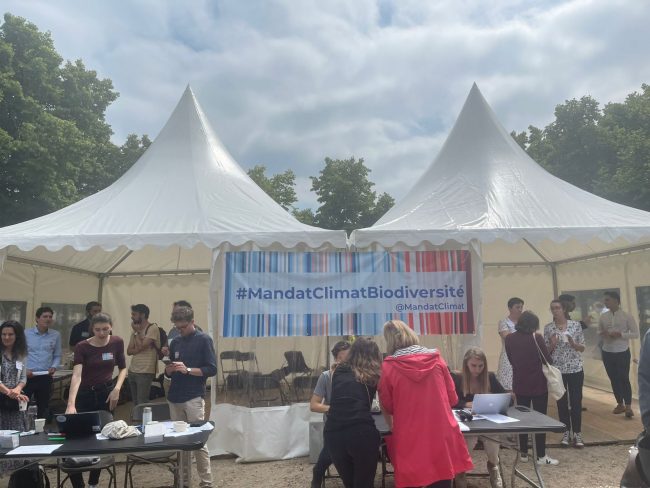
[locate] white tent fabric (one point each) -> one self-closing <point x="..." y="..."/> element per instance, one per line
<point x="483" y="187"/>
<point x="154" y="235"/>
<point x="185" y="191"/>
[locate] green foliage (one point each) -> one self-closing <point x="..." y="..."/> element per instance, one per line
<point x="306" y="216"/>
<point x="280" y="187"/>
<point x="346" y="196"/>
<point x="606" y="152"/>
<point x="55" y="145"/>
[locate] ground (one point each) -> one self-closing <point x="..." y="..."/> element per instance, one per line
<point x="592" y="467"/>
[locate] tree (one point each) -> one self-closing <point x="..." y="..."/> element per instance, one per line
<point x="280" y="186"/>
<point x="55" y="145"/>
<point x="346" y="196"/>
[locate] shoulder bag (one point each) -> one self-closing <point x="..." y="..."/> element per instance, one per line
<point x="553" y="376"/>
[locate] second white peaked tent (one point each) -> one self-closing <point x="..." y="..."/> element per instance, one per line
<point x="536" y="235"/>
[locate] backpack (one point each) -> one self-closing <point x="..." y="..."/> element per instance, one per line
<point x="33" y="476"/>
<point x="163" y="340"/>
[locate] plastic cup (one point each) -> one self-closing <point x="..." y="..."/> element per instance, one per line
<point x="39" y="425"/>
<point x="180" y="426"/>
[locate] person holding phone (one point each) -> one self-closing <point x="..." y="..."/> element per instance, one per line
<point x="566" y="342"/>
<point x="92" y="387"/>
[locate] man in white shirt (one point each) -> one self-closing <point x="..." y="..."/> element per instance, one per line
<point x="617" y="327"/>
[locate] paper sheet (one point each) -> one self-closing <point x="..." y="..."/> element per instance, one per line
<point x="463" y="427"/>
<point x="40" y="373"/>
<point x="499" y="419"/>
<point x="38" y="449"/>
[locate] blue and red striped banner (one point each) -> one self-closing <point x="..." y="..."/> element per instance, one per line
<point x="270" y="294"/>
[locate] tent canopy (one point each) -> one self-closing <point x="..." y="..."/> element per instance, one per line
<point x="483" y="186"/>
<point x="185" y="196"/>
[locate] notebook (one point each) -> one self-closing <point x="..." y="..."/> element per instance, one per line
<point x="75" y="425"/>
<point x="491" y="403"/>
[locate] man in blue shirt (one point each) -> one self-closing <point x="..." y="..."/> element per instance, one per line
<point x="193" y="362"/>
<point x="43" y="359"/>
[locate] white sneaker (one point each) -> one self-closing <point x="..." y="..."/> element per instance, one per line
<point x="566" y="439"/>
<point x="577" y="439"/>
<point x="546" y="460"/>
<point x="523" y="458"/>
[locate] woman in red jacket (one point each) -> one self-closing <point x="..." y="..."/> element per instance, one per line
<point x="416" y="393"/>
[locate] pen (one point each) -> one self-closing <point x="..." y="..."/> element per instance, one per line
<point x="56" y="438"/>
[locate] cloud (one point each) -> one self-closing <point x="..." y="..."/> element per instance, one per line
<point x="287" y="83"/>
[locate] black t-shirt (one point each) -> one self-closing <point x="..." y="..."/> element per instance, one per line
<point x="80" y="332"/>
<point x="350" y="402"/>
<point x="463" y="398"/>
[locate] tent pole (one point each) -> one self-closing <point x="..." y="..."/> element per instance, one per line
<point x="100" y="288"/>
<point x="554" y="278"/>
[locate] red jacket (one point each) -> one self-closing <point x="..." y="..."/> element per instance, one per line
<point x="426" y="445"/>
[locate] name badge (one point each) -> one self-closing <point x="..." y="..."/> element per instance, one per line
<point x="85" y="334"/>
<point x="19" y="365"/>
<point x="107" y="356"/>
<point x="177" y="355"/>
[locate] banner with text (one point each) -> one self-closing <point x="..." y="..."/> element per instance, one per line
<point x="346" y="293"/>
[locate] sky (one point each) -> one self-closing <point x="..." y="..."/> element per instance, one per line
<point x="286" y="83"/>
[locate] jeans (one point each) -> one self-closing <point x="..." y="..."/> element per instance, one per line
<point x="572" y="417"/>
<point x="617" y="365"/>
<point x="539" y="404"/>
<point x="320" y="468"/>
<point x="89" y="401"/>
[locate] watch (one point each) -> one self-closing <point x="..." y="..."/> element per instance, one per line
<point x="189" y="370"/>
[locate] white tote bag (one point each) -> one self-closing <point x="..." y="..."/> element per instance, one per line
<point x="553" y="375"/>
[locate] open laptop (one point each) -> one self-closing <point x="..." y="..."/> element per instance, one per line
<point x="75" y="425"/>
<point x="491" y="403"/>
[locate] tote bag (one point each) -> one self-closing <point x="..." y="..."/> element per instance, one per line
<point x="553" y="376"/>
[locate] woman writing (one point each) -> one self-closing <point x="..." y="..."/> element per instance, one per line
<point x="13" y="376"/>
<point x="525" y="348"/>
<point x="475" y="378"/>
<point x="416" y="393"/>
<point x="566" y="342"/>
<point x="350" y="433"/>
<point x="91" y="387"/>
<point x="507" y="327"/>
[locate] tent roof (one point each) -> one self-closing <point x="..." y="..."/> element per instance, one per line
<point x="483" y="186"/>
<point x="186" y="191"/>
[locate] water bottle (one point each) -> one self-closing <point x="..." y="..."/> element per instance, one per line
<point x="32" y="413"/>
<point x="146" y="416"/>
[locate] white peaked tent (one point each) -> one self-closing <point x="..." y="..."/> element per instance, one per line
<point x="536" y="235"/>
<point x="156" y="235"/>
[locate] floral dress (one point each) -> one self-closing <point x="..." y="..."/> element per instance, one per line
<point x="504" y="371"/>
<point x="9" y="419"/>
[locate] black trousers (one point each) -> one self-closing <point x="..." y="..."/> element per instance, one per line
<point x="539" y="404"/>
<point x="617" y="365"/>
<point x="40" y="387"/>
<point x="320" y="468"/>
<point x="572" y="417"/>
<point x="355" y="452"/>
<point x="89" y="401"/>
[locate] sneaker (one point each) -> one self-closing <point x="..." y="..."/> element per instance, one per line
<point x="620" y="408"/>
<point x="547" y="461"/>
<point x="577" y="440"/>
<point x="628" y="412"/>
<point x="523" y="457"/>
<point x="566" y="439"/>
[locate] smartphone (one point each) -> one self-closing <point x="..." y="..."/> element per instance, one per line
<point x="521" y="408"/>
<point x="166" y="361"/>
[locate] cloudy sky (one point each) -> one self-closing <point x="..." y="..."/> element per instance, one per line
<point x="286" y="83"/>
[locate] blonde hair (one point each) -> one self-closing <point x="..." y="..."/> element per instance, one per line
<point x="399" y="335"/>
<point x="483" y="379"/>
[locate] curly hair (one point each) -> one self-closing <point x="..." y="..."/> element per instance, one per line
<point x="365" y="361"/>
<point x="20" y="346"/>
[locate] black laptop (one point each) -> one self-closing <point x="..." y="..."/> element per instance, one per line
<point x="75" y="425"/>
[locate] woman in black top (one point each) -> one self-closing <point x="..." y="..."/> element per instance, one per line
<point x="350" y="432"/>
<point x="475" y="378"/>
